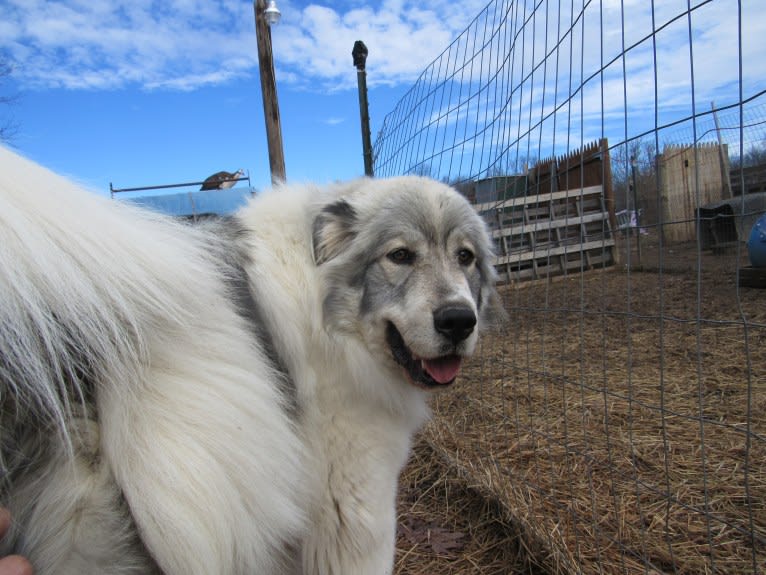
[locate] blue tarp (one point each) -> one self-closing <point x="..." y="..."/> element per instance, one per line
<point x="218" y="202"/>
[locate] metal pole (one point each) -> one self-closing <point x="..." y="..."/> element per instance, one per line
<point x="269" y="91"/>
<point x="635" y="207"/>
<point x="360" y="58"/>
<point x="606" y="182"/>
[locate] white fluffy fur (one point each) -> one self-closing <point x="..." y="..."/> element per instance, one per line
<point x="191" y="452"/>
<point x="186" y="404"/>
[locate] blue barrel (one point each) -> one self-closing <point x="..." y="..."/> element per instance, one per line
<point x="756" y="244"/>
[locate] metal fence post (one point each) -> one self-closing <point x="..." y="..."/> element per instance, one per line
<point x="360" y="58"/>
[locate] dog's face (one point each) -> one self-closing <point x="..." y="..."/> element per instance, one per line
<point x="406" y="263"/>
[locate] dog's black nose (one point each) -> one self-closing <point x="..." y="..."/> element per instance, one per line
<point x="454" y="322"/>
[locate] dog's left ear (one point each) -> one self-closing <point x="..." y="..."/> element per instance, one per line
<point x="492" y="309"/>
<point x="333" y="230"/>
<point x="493" y="313"/>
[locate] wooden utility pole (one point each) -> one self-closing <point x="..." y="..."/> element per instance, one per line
<point x="269" y="91"/>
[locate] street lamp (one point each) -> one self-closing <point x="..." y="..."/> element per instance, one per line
<point x="272" y="13"/>
<point x="264" y="18"/>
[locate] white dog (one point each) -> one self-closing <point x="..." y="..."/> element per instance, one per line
<point x="237" y="397"/>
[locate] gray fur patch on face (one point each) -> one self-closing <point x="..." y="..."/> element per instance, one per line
<point x="333" y="230"/>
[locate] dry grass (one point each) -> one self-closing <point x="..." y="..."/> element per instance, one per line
<point x="448" y="527"/>
<point x="612" y="430"/>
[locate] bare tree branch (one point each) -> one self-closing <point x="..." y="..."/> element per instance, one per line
<point x="8" y="125"/>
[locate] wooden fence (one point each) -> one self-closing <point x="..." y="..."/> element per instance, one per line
<point x="691" y="178"/>
<point x="562" y="223"/>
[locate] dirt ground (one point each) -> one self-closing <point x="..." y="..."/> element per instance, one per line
<point x="617" y="424"/>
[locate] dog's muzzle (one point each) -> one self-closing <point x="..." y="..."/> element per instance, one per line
<point x="425" y="372"/>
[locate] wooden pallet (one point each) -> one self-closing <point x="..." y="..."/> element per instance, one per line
<point x="550" y="234"/>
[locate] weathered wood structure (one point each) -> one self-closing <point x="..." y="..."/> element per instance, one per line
<point x="690" y="177"/>
<point x="563" y="221"/>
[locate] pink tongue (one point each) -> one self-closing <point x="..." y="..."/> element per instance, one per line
<point x="443" y="369"/>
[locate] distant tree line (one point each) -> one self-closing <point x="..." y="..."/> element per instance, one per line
<point x="755" y="156"/>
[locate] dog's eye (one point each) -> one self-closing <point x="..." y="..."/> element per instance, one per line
<point x="465" y="257"/>
<point x="401" y="256"/>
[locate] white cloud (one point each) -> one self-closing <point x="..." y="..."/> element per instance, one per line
<point x="96" y="44"/>
<point x="186" y="44"/>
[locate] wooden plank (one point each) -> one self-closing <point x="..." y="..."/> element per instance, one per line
<point x="538" y="199"/>
<point x="548" y="267"/>
<point x="550" y="225"/>
<point x="550" y="252"/>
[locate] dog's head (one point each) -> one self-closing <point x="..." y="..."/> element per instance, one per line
<point x="407" y="267"/>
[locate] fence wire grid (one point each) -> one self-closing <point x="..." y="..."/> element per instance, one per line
<point x="620" y="415"/>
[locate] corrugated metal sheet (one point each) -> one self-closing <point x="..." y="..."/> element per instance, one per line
<point x="198" y="203"/>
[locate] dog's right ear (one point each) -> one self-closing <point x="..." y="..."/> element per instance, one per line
<point x="333" y="230"/>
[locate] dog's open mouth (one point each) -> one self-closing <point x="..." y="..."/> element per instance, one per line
<point x="435" y="372"/>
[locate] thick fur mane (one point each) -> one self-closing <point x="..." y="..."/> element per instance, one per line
<point x="97" y="295"/>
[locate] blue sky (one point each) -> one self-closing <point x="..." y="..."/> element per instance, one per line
<point x="144" y="92"/>
<point x="148" y="92"/>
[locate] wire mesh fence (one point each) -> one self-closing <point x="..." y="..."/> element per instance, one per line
<point x="620" y="416"/>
